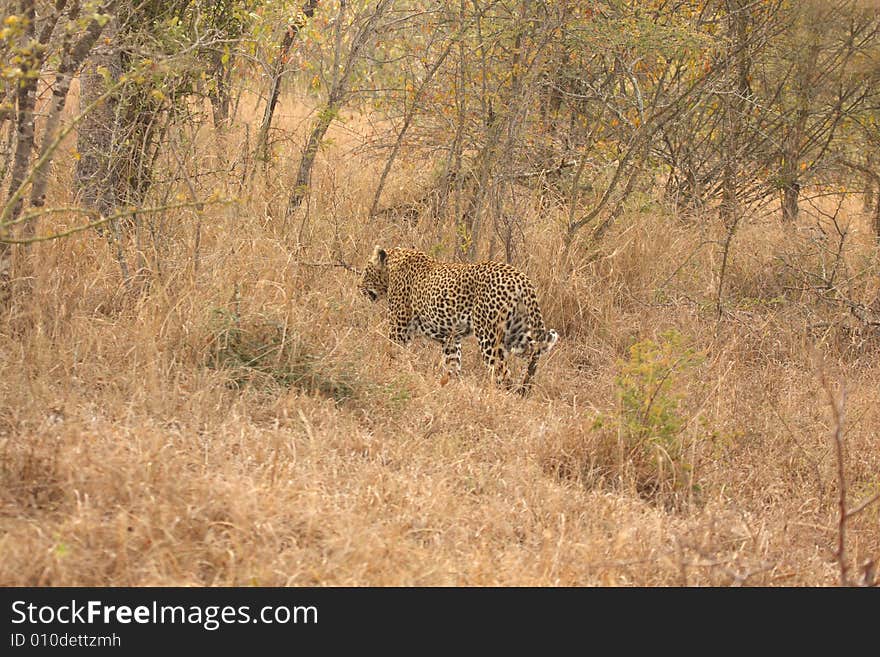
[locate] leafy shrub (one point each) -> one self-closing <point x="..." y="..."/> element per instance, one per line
<point x="651" y="390"/>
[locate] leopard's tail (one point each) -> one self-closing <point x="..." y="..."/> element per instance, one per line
<point x="517" y="330"/>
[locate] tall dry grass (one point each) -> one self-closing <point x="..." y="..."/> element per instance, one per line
<point x="246" y="421"/>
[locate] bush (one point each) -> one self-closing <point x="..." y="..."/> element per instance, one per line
<point x="650" y="391"/>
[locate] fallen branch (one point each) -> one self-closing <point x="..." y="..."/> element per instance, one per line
<point x="338" y="263"/>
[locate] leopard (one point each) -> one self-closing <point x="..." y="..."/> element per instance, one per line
<point x="449" y="301"/>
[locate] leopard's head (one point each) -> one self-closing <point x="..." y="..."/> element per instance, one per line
<point x="374" y="282"/>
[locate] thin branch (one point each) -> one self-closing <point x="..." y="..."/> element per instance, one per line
<point x="837" y="411"/>
<point x="861" y="507"/>
<point x="116" y="215"/>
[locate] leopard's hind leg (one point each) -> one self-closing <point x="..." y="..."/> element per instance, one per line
<point x="451" y="358"/>
<point x="494" y="354"/>
<point x="452" y="352"/>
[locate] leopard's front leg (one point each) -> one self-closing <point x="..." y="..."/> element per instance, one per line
<point x="402" y="328"/>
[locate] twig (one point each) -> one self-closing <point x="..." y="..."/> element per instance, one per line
<point x="861" y="507"/>
<point x="719" y="303"/>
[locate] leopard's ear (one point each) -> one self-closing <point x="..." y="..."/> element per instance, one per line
<point x="379" y="255"/>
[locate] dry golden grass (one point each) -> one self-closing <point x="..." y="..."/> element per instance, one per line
<point x="137" y="447"/>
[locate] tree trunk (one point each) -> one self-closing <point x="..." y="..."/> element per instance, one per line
<point x="72" y="59"/>
<point x="26" y="97"/>
<point x="96" y="178"/>
<point x="24" y="128"/>
<point x="221" y="94"/>
<point x="871" y="189"/>
<point x="790" y="174"/>
<point x="339" y="90"/>
<point x="454" y="174"/>
<point x="7" y="126"/>
<point x="734" y="107"/>
<point x="277" y="71"/>
<point x="793" y="143"/>
<point x="877" y="219"/>
<point x="790" y="196"/>
<point x="24" y="145"/>
<point x="374" y="207"/>
<point x="304" y="174"/>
